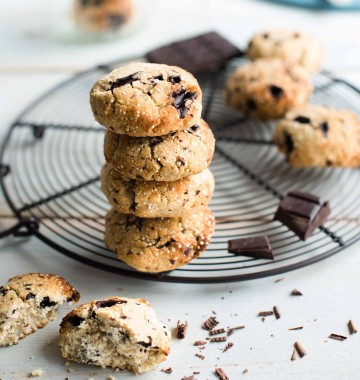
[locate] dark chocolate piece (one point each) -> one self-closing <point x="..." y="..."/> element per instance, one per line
<point x="352" y="327"/>
<point x="302" y="213"/>
<point x="257" y="247"/>
<point x="202" y="357"/>
<point x="276" y="312"/>
<point x="289" y="143"/>
<point x="75" y="320"/>
<point x="296" y="328"/>
<point x="210" y="323"/>
<point x="299" y="349"/>
<point x="324" y="128"/>
<point x="30" y="296"/>
<point x="46" y="303"/>
<point x="216" y="332"/>
<point x="265" y="313"/>
<point x="181" y="330"/>
<point x="182" y="100"/>
<point x="228" y="346"/>
<point x="296" y="292"/>
<point x="303" y="120"/>
<point x="221" y="374"/>
<point x="167" y="370"/>
<point x="276" y="91"/>
<point x="337" y="337"/>
<point x="108" y="303"/>
<point x="123" y="81"/>
<point x="232" y="329"/>
<point x="203" y="53"/>
<point x="199" y="343"/>
<point x="218" y="339"/>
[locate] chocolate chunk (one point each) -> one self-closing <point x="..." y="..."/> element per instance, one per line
<point x="30" y="296"/>
<point x="194" y="128"/>
<point x="3" y="291"/>
<point x="45" y="302"/>
<point x="220" y="373"/>
<point x="302" y="120"/>
<point x="180" y="161"/>
<point x="146" y="344"/>
<point x="276" y="91"/>
<point x="74" y="297"/>
<point x="302" y="213"/>
<point x="203" y="53"/>
<point x="257" y="247"/>
<point x="182" y="100"/>
<point x="75" y="320"/>
<point x="337" y="337"/>
<point x="187" y="251"/>
<point x="181" y="330"/>
<point x="296" y="292"/>
<point x="324" y="128"/>
<point x="123" y="81"/>
<point x="210" y="323"/>
<point x="251" y="105"/>
<point x="289" y="143"/>
<point x="296" y="328"/>
<point x="155" y="141"/>
<point x="174" y="79"/>
<point x="108" y="303"/>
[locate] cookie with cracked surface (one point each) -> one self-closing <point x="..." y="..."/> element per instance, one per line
<point x="159" y="244"/>
<point x="115" y="332"/>
<point x="102" y="15"/>
<point x="29" y="302"/>
<point x="319" y="136"/>
<point x="153" y="199"/>
<point x="162" y="158"/>
<point x="288" y="45"/>
<point x="146" y="99"/>
<point x="267" y="88"/>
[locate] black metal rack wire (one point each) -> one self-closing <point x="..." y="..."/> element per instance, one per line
<point x="52" y="156"/>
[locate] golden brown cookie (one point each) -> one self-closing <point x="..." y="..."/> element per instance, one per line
<point x="159" y="244"/>
<point x="162" y="158"/>
<point x="319" y="136"/>
<point x="146" y="99"/>
<point x="152" y="199"/>
<point x="115" y="332"/>
<point x="29" y="302"/>
<point x="267" y="88"/>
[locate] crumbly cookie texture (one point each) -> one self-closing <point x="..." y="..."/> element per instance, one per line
<point x="162" y="158"/>
<point x="146" y="99"/>
<point x="29" y="302"/>
<point x="319" y="136"/>
<point x="267" y="88"/>
<point x="102" y="15"/>
<point x="115" y="332"/>
<point x="289" y="45"/>
<point x="153" y="199"/>
<point x="159" y="244"/>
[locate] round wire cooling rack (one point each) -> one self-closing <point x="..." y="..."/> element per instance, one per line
<point x="52" y="157"/>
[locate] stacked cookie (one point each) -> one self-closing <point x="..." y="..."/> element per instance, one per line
<point x="157" y="150"/>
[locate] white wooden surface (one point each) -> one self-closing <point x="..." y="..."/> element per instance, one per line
<point x="32" y="62"/>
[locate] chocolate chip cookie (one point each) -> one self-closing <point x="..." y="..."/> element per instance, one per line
<point x="29" y="302"/>
<point x="162" y="158"/>
<point x="116" y="332"/>
<point x="159" y="244"/>
<point x="319" y="136"/>
<point x="152" y="199"/>
<point x="267" y="88"/>
<point x="146" y="99"/>
<point x="102" y="15"/>
<point x="289" y="45"/>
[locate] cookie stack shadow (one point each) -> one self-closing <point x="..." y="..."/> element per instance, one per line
<point x="156" y="177"/>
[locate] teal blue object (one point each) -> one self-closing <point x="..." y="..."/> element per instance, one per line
<point x="323" y="4"/>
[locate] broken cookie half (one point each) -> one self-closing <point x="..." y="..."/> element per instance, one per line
<point x="29" y="302"/>
<point x="115" y="332"/>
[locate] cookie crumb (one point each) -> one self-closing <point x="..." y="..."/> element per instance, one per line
<point x="36" y="373"/>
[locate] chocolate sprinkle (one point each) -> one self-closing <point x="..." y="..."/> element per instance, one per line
<point x="296" y="328"/>
<point x="299" y="349"/>
<point x="210" y="323"/>
<point x="202" y="357"/>
<point x="216" y="332"/>
<point x="167" y="370"/>
<point x="296" y="292"/>
<point x="221" y="374"/>
<point x="352" y="327"/>
<point x="228" y="346"/>
<point x="181" y="330"/>
<point x="337" y="337"/>
<point x="293" y="356"/>
<point x="218" y="339"/>
<point x="276" y="312"/>
<point x="231" y="330"/>
<point x="265" y="313"/>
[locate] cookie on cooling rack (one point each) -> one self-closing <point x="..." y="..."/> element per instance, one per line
<point x="162" y="158"/>
<point x="319" y="136"/>
<point x="158" y="244"/>
<point x="153" y="199"/>
<point x="288" y="45"/>
<point x="29" y="302"/>
<point x="146" y="99"/>
<point x="102" y="15"/>
<point x="267" y="88"/>
<point x="115" y="332"/>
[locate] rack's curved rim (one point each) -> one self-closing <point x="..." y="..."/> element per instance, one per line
<point x="140" y="275"/>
